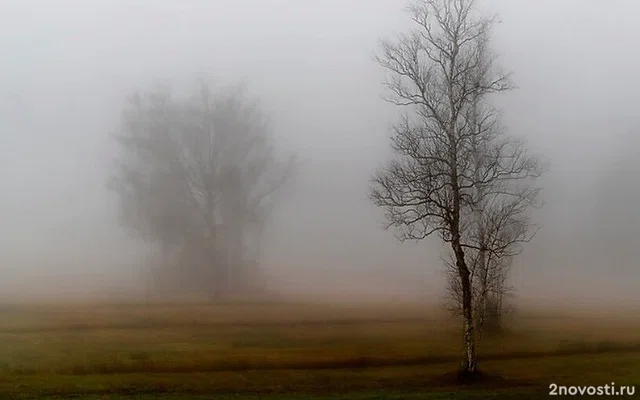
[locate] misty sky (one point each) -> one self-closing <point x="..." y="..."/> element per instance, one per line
<point x="67" y="66"/>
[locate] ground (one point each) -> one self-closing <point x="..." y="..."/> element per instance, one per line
<point x="299" y="351"/>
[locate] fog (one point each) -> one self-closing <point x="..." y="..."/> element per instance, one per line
<point x="68" y="66"/>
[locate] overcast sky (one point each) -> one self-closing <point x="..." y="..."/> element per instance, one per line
<point x="67" y="66"/>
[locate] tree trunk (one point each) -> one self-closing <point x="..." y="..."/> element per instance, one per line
<point x="469" y="360"/>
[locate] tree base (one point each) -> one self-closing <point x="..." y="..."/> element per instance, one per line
<point x="462" y="377"/>
<point x="480" y="379"/>
<point x="465" y="377"/>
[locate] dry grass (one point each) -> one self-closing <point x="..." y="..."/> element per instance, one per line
<point x="278" y="346"/>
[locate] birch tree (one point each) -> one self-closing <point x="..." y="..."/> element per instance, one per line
<point x="454" y="173"/>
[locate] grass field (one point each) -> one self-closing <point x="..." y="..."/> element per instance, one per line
<point x="299" y="351"/>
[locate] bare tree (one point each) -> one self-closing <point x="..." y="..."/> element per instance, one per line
<point x="197" y="176"/>
<point x="489" y="267"/>
<point x="454" y="173"/>
<point x="500" y="223"/>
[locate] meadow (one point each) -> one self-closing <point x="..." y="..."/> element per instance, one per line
<point x="281" y="350"/>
